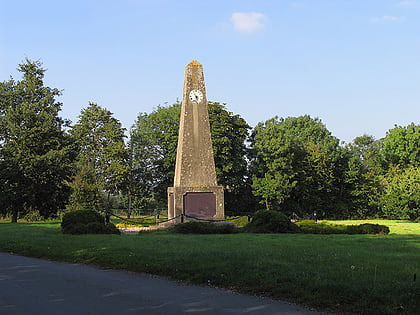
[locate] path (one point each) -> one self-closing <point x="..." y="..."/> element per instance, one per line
<point x="35" y="286"/>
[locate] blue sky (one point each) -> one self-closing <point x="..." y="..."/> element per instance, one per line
<point x="353" y="64"/>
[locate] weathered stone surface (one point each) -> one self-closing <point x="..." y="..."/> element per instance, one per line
<point x="194" y="170"/>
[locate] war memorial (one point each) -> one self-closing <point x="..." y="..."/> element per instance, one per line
<point x="195" y="194"/>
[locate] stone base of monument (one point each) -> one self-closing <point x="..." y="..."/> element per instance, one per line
<point x="195" y="203"/>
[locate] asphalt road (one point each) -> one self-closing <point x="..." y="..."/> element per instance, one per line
<point x="36" y="286"/>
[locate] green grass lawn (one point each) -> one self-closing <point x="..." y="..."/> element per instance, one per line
<point x="370" y="274"/>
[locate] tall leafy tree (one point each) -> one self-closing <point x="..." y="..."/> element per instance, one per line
<point x="229" y="136"/>
<point x="401" y="196"/>
<point x="295" y="165"/>
<point x="35" y="157"/>
<point x="101" y="156"/>
<point x="362" y="176"/>
<point x="400" y="181"/>
<point x="154" y="143"/>
<point x="401" y="146"/>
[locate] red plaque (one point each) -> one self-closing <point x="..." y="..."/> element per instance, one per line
<point x="200" y="204"/>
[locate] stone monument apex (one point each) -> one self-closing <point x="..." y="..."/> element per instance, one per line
<point x="195" y="193"/>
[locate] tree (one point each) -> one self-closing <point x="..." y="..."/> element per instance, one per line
<point x="401" y="197"/>
<point x="362" y="177"/>
<point x="229" y="134"/>
<point x="101" y="156"/>
<point x="154" y="143"/>
<point x="295" y="166"/>
<point x="401" y="155"/>
<point x="401" y="146"/>
<point x="85" y="189"/>
<point x="35" y="155"/>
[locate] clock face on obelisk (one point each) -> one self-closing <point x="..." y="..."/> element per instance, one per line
<point x="196" y="96"/>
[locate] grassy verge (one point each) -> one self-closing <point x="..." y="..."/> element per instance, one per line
<point x="350" y="273"/>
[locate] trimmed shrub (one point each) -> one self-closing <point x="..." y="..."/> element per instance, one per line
<point x="312" y="227"/>
<point x="77" y="228"/>
<point x="269" y="221"/>
<point x="95" y="228"/>
<point x="324" y="227"/>
<point x="86" y="222"/>
<point x="194" y="227"/>
<point x="110" y="228"/>
<point x="81" y="216"/>
<point x="368" y="228"/>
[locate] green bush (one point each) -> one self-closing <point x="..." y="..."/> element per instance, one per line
<point x="86" y="222"/>
<point x="312" y="227"/>
<point x="110" y="228"/>
<point x="77" y="228"/>
<point x="269" y="221"/>
<point x="324" y="227"/>
<point x="204" y="228"/>
<point x="367" y="228"/>
<point x="95" y="228"/>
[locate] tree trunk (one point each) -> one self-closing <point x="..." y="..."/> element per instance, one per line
<point x="14" y="216"/>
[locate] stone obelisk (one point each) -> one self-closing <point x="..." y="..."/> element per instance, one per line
<point x="195" y="194"/>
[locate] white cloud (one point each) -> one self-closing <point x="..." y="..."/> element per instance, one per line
<point x="387" y="18"/>
<point x="390" y="18"/>
<point x="248" y="22"/>
<point x="297" y="5"/>
<point x="411" y="3"/>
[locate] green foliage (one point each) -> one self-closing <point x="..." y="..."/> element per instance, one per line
<point x="85" y="190"/>
<point x="312" y="227"/>
<point x="325" y="227"/>
<point x="401" y="196"/>
<point x="110" y="228"/>
<point x="383" y="175"/>
<point x="86" y="222"/>
<point x="367" y="228"/>
<point x="81" y="216"/>
<point x="205" y="228"/>
<point x="33" y="216"/>
<point x="296" y="166"/>
<point x="401" y="146"/>
<point x="229" y="133"/>
<point x="35" y="154"/>
<point x="401" y="227"/>
<point x="153" y="144"/>
<point x="269" y="221"/>
<point x="101" y="161"/>
<point x="361" y="180"/>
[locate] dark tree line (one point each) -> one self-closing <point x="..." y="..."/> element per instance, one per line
<point x="293" y="165"/>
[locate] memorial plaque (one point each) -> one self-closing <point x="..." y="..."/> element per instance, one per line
<point x="200" y="204"/>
